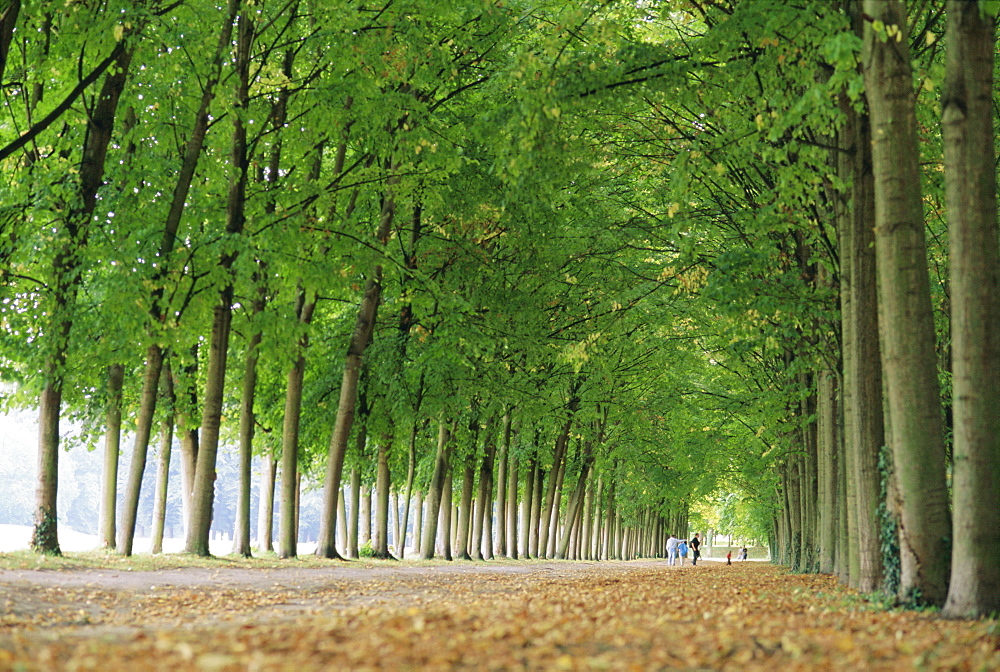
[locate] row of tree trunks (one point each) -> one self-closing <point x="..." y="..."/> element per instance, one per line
<point x="880" y="225"/>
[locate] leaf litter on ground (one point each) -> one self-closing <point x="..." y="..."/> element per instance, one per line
<point x="501" y="615"/>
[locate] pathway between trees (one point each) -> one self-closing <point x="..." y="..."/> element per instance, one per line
<point x="498" y="615"/>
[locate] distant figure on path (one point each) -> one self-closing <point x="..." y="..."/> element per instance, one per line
<point x="682" y="548"/>
<point x="672" y="544"/>
<point x="742" y="554"/>
<point x="695" y="546"/>
<point x="729" y="558"/>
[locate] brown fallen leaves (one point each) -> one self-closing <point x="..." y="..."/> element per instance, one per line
<point x="490" y="616"/>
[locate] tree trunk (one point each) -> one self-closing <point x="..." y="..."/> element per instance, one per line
<point x="971" y="189"/>
<point x="863" y="407"/>
<point x="511" y="504"/>
<point x="265" y="503"/>
<point x="827" y="452"/>
<point x="112" y="447"/>
<point x="154" y="355"/>
<point x="355" y="517"/>
<point x="163" y="463"/>
<point x="446" y="517"/>
<point x="575" y="504"/>
<point x="465" y="505"/>
<point x="185" y="385"/>
<point x="418" y="519"/>
<point x="345" y="413"/>
<point x="64" y="286"/>
<point x="341" y="519"/>
<point x="435" y="492"/>
<point x="483" y="495"/>
<point x="215" y="377"/>
<point x="382" y="485"/>
<point x="558" y="458"/>
<point x="241" y="535"/>
<point x="908" y="347"/>
<point x="411" y="466"/>
<point x="133" y="487"/>
<point x="365" y="516"/>
<point x="535" y="550"/>
<point x="501" y="500"/>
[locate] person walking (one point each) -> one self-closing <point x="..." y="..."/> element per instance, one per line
<point x="682" y="548"/>
<point x="672" y="544"/>
<point x="695" y="546"/>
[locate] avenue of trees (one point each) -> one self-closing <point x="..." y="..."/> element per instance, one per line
<point x="544" y="275"/>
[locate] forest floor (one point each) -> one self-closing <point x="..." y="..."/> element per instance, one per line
<point x="224" y="614"/>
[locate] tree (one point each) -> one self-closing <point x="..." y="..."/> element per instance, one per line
<point x="913" y="400"/>
<point x="971" y="184"/>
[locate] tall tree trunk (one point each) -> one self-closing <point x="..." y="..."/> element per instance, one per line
<point x="241" y="535"/>
<point x="863" y="392"/>
<point x="908" y="348"/>
<point x="418" y="519"/>
<point x="971" y="189"/>
<point x="133" y="487"/>
<point x="112" y="447"/>
<point x="342" y="522"/>
<point x="365" y="516"/>
<point x="215" y="376"/>
<point x="465" y="504"/>
<point x="411" y="466"/>
<point x="526" y="506"/>
<point x="185" y="386"/>
<point x="382" y="486"/>
<point x="575" y="504"/>
<point x="265" y="503"/>
<point x="288" y="533"/>
<point x="163" y="461"/>
<point x="535" y="550"/>
<point x="345" y="413"/>
<point x="827" y="453"/>
<point x="66" y="269"/>
<point x="154" y="354"/>
<point x="558" y="457"/>
<point x="355" y="517"/>
<point x="483" y="495"/>
<point x="447" y="516"/>
<point x="435" y="491"/>
<point x="501" y="501"/>
<point x="513" y="467"/>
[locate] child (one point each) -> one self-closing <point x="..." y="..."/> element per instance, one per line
<point x="729" y="558"/>
<point x="683" y="548"/>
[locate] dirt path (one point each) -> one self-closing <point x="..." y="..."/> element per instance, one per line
<point x="498" y="615"/>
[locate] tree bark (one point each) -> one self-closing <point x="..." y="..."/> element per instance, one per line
<point x="66" y="269"/>
<point x="465" y="503"/>
<point x="345" y="413"/>
<point x="971" y="190"/>
<point x="382" y="485"/>
<point x="215" y="376"/>
<point x="112" y="447"/>
<point x="241" y="535"/>
<point x="908" y="347"/>
<point x="355" y="516"/>
<point x="484" y="493"/>
<point x="163" y="461"/>
<point x="513" y="469"/>
<point x="154" y="355"/>
<point x="435" y="491"/>
<point x="265" y="503"/>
